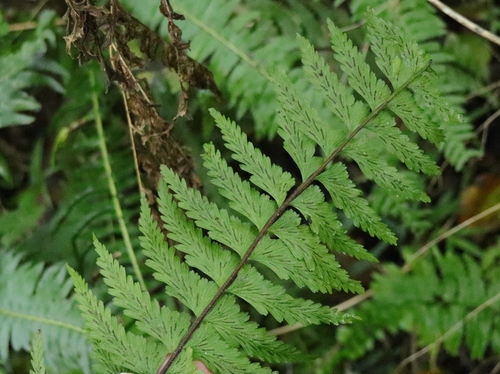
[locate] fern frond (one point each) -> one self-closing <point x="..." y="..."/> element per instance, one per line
<point x="353" y="64"/>
<point x="274" y="221"/>
<point x="249" y="203"/>
<point x="429" y="301"/>
<point x="25" y="68"/>
<point x="459" y="134"/>
<point x="286" y="225"/>
<point x="33" y="298"/>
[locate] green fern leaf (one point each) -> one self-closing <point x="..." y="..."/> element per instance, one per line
<point x="347" y="197"/>
<point x="249" y="203"/>
<point x="443" y="291"/>
<point x="286" y="225"/>
<point x="24" y="68"/>
<point x="360" y="76"/>
<point x="313" y="207"/>
<point x="265" y="175"/>
<point x="362" y="150"/>
<point x="340" y="100"/>
<point x="33" y="298"/>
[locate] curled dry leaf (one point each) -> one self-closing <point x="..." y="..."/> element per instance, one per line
<point x="92" y="29"/>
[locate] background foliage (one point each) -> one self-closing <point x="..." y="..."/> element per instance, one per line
<point x="55" y="193"/>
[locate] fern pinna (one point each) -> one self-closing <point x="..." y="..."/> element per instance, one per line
<point x="289" y="227"/>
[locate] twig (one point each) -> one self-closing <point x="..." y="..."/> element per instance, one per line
<point x="132" y="141"/>
<point x="124" y="65"/>
<point x="24" y="26"/>
<point x="485" y="126"/>
<point x="488" y="303"/>
<point x="130" y="124"/>
<point x="447" y="234"/>
<point x="112" y="186"/>
<point x="483" y="90"/>
<point x="474" y="27"/>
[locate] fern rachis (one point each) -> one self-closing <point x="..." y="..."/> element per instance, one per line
<point x="223" y="246"/>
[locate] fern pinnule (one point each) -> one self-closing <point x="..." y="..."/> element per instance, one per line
<point x="263" y="173"/>
<point x="399" y="144"/>
<point x="338" y="97"/>
<point x="359" y="73"/>
<point x="347" y="197"/>
<point x="255" y="206"/>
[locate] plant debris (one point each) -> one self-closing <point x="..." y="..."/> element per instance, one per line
<point x="94" y="30"/>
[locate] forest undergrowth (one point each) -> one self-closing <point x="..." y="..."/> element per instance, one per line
<point x="234" y="186"/>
